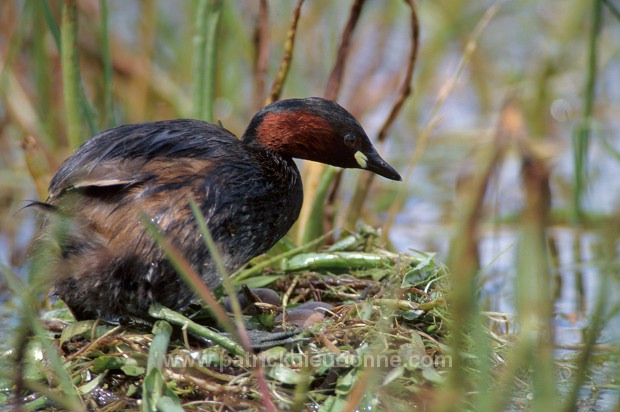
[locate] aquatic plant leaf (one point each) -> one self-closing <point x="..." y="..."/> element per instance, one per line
<point x="346" y="382"/>
<point x="394" y="374"/>
<point x="103" y="363"/>
<point x="92" y="385"/>
<point x="76" y="329"/>
<point x="133" y="370"/>
<point x="421" y="273"/>
<point x="168" y="404"/>
<point x="284" y="374"/>
<point x="430" y="374"/>
<point x="151" y="390"/>
<point x="333" y="404"/>
<point x="412" y="314"/>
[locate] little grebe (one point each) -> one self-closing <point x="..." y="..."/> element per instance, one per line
<point x="249" y="191"/>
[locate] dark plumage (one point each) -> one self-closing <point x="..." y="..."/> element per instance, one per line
<point x="249" y="191"/>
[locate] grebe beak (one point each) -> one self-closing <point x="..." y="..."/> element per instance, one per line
<point x="373" y="162"/>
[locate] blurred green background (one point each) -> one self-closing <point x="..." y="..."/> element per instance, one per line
<point x="533" y="82"/>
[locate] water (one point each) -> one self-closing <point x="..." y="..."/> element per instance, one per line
<point x="424" y="225"/>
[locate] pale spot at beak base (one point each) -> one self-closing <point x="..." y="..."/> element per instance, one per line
<point x="361" y="159"/>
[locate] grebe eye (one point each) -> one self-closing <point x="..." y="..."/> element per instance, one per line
<point x="350" y="140"/>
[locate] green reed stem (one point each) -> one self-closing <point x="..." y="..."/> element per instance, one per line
<point x="108" y="106"/>
<point x="199" y="59"/>
<point x="535" y="311"/>
<point x="484" y="377"/>
<point x="161" y="312"/>
<point x="242" y="275"/>
<point x="41" y="76"/>
<point x="153" y="384"/>
<point x="20" y="105"/>
<point x="212" y="46"/>
<point x="582" y="136"/>
<point x="70" y="71"/>
<point x="205" y="54"/>
<point x="314" y="225"/>
<point x="159" y="346"/>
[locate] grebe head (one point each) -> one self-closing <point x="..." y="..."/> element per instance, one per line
<point x="316" y="129"/>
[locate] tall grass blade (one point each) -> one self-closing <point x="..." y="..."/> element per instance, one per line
<point x="221" y="268"/>
<point x="582" y="134"/>
<point x="43" y="87"/>
<point x="189" y="275"/>
<point x="51" y="23"/>
<point x="21" y="107"/>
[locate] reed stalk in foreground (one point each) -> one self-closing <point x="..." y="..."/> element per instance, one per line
<point x="534" y="283"/>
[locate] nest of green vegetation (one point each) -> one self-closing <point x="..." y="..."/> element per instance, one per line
<point x="377" y="343"/>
